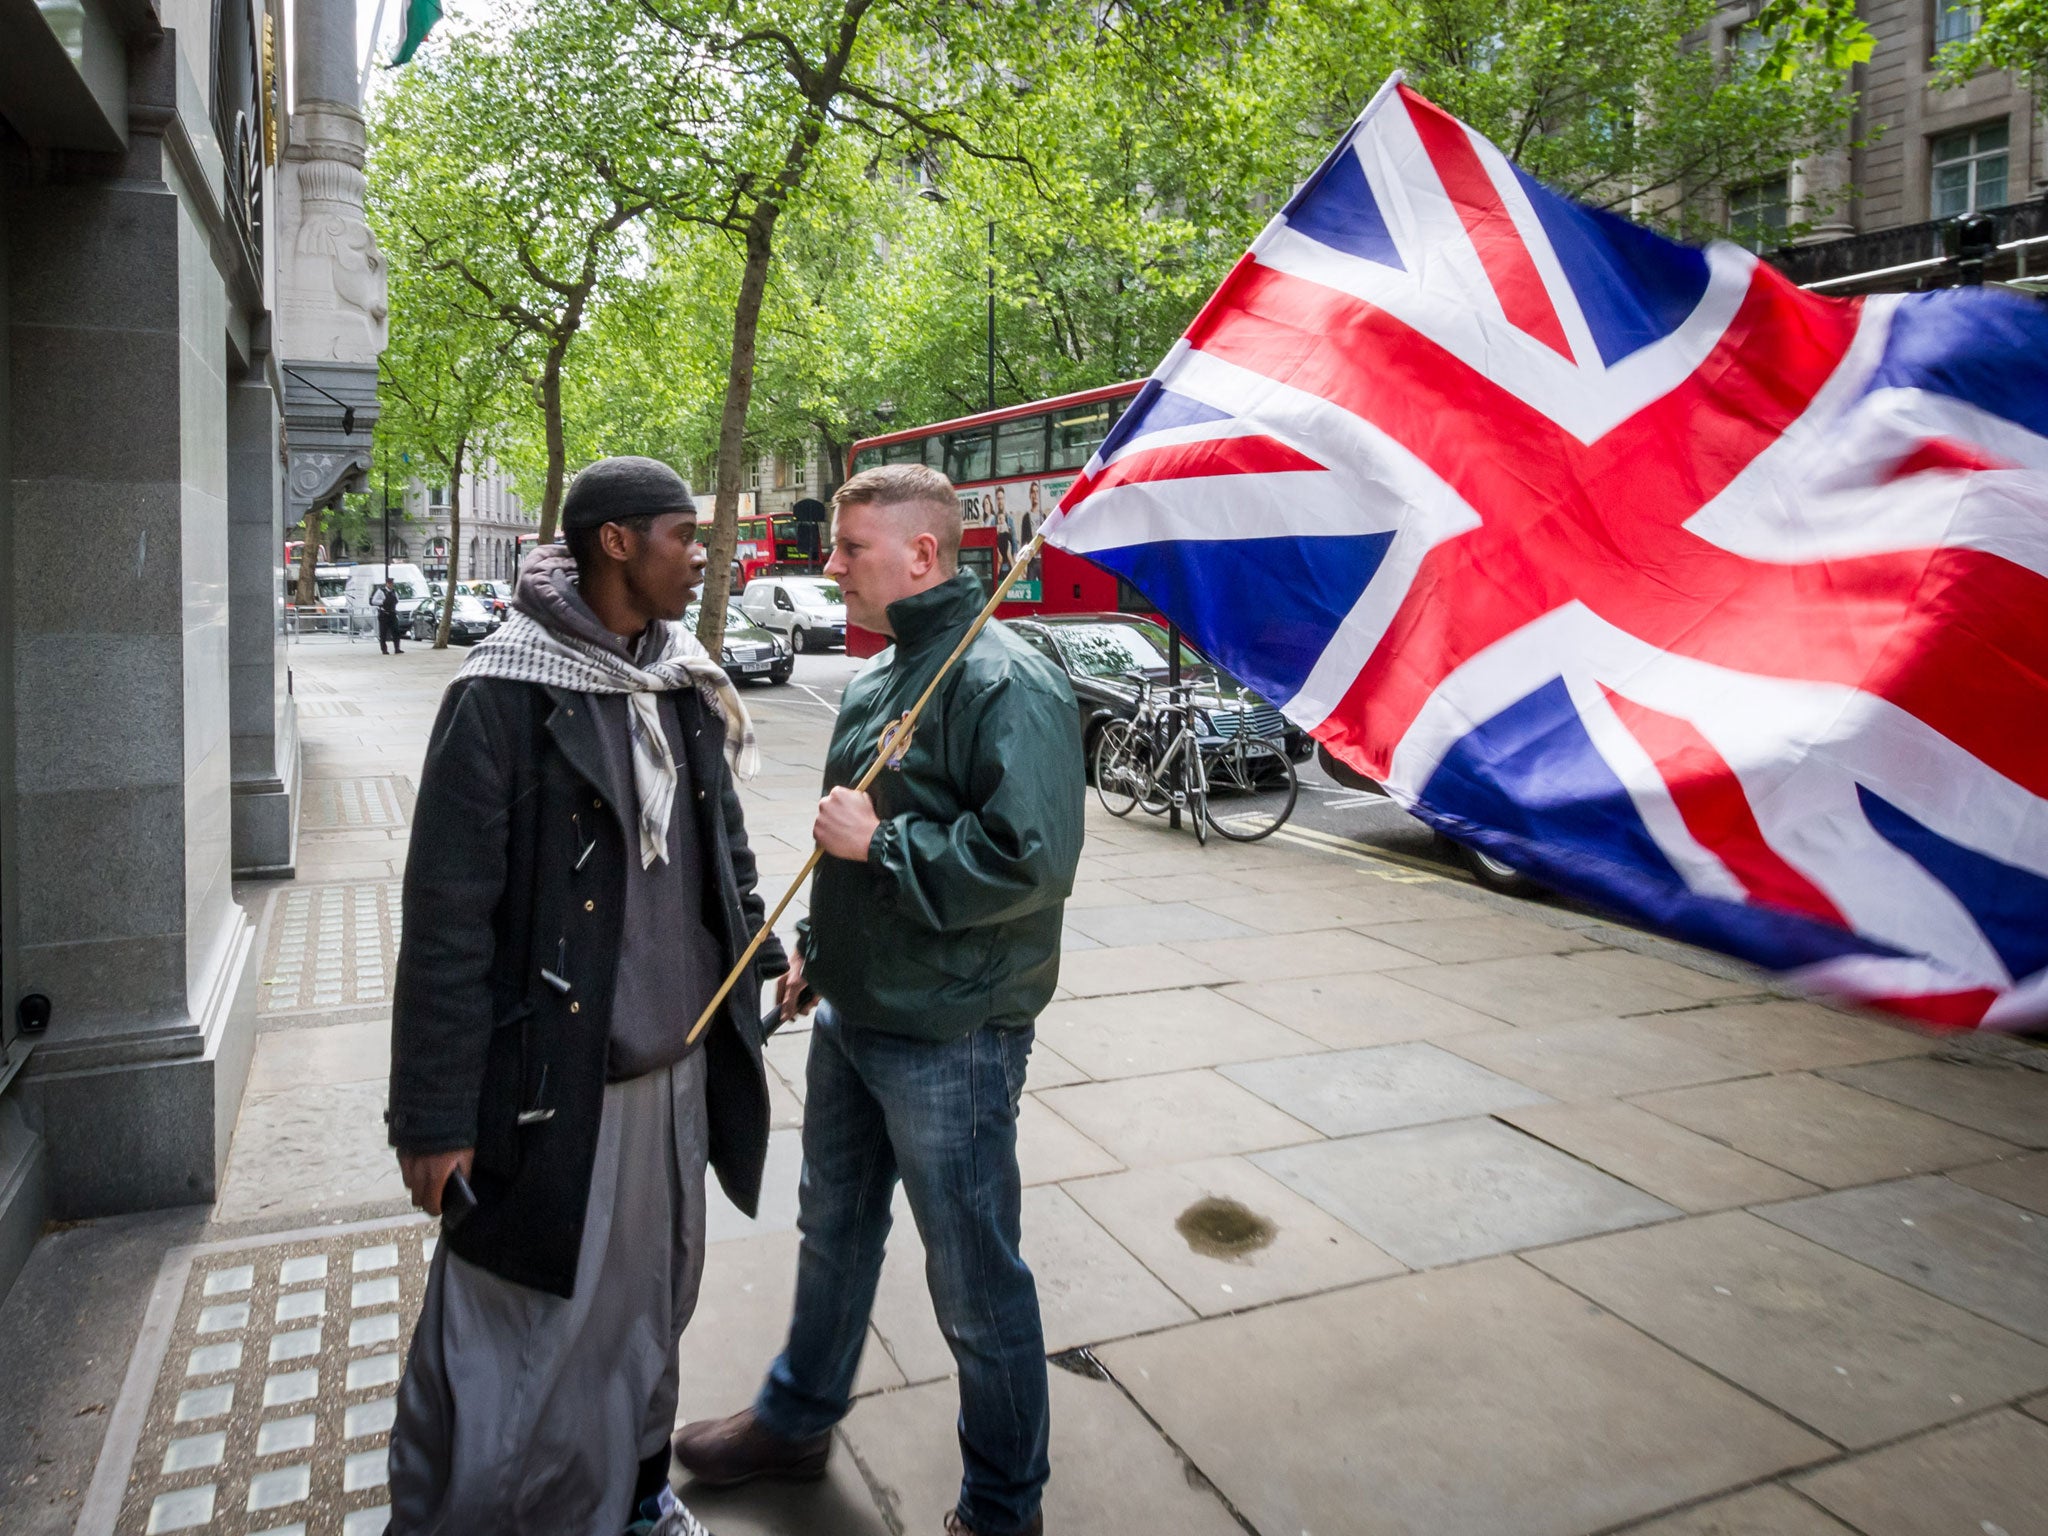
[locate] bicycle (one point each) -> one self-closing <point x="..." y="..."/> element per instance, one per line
<point x="1159" y="760"/>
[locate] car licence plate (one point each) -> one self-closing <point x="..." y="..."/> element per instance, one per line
<point x="756" y="666"/>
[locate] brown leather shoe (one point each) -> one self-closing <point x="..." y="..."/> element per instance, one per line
<point x="722" y="1453"/>
<point x="955" y="1526"/>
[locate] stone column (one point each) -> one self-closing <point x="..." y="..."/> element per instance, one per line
<point x="1820" y="195"/>
<point x="265" y="714"/>
<point x="122" y="282"/>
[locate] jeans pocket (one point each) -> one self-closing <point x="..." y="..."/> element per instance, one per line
<point x="1015" y="1045"/>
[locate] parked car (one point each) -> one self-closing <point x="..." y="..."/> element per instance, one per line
<point x="805" y="610"/>
<point x="1102" y="653"/>
<point x="472" y="621"/>
<point x="1489" y="870"/>
<point x="751" y="654"/>
<point x="496" y="596"/>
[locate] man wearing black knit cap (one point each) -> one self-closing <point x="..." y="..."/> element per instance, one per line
<point x="578" y="884"/>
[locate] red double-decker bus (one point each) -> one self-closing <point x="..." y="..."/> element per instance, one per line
<point x="1011" y="467"/>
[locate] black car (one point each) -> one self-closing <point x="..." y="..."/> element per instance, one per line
<point x="472" y="619"/>
<point x="751" y="654"/>
<point x="1101" y="652"/>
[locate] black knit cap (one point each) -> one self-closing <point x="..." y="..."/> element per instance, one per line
<point x="612" y="490"/>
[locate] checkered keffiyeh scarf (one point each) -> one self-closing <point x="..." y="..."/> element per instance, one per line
<point x="527" y="651"/>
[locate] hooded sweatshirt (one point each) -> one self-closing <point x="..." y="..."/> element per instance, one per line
<point x="669" y="963"/>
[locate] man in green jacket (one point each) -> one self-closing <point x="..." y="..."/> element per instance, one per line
<point x="934" y="941"/>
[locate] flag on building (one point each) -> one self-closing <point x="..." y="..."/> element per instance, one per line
<point x="1715" y="602"/>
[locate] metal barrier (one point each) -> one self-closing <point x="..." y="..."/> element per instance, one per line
<point x="306" y="622"/>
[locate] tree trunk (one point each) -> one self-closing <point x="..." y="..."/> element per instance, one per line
<point x="454" y="544"/>
<point x="309" y="554"/>
<point x="732" y="428"/>
<point x="551" y="418"/>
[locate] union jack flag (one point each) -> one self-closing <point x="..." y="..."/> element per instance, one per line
<point x="1715" y="602"/>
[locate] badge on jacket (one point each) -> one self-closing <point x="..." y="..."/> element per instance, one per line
<point x="895" y="742"/>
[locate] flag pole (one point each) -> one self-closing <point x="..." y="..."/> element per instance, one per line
<point x="898" y="731"/>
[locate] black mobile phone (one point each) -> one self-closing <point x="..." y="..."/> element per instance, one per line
<point x="457" y="1201"/>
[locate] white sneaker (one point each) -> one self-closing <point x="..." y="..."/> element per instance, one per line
<point x="673" y="1517"/>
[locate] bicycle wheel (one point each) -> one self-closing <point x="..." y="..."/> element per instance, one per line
<point x="1252" y="788"/>
<point x="1194" y="787"/>
<point x="1122" y="767"/>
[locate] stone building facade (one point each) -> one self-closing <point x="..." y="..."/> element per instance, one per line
<point x="494" y="518"/>
<point x="1914" y="157"/>
<point x="148" y="421"/>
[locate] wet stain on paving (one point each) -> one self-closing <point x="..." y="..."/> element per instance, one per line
<point x="1224" y="1229"/>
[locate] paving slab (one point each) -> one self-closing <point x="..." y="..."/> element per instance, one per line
<point x="1280" y="956"/>
<point x="1111" y="1470"/>
<point x="841" y="1504"/>
<point x="741" y="1323"/>
<point x="1190" y="887"/>
<point x="777" y="1207"/>
<point x="1047" y="1068"/>
<point x="1472" y="1402"/>
<point x="1823" y="1132"/>
<point x="1358" y="1008"/>
<point x="1541" y="989"/>
<point x="1379" y="1088"/>
<point x="1857" y="1355"/>
<point x="1963" y="1246"/>
<point x="1089" y="1287"/>
<point x="1139" y="968"/>
<point x="1791" y="1037"/>
<point x="1767" y="1511"/>
<point x="1441" y="1194"/>
<point x="1989" y="1476"/>
<point x="1599" y="1059"/>
<point x="334" y="1053"/>
<point x="1153" y="922"/>
<point x="1176" y="1117"/>
<point x="1143" y="1032"/>
<point x="1486" y="936"/>
<point x="1104" y="893"/>
<point x="2020" y="1180"/>
<point x="1659" y="1158"/>
<point x="305" y="1150"/>
<point x="1049" y="1150"/>
<point x="1354" y="903"/>
<point x="1301" y="1250"/>
<point x="1999" y="1098"/>
<point x="1702" y="986"/>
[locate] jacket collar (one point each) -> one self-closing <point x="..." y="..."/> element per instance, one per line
<point x="936" y="612"/>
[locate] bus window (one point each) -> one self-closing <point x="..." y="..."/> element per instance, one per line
<point x="909" y="451"/>
<point x="1078" y="431"/>
<point x="982" y="561"/>
<point x="935" y="453"/>
<point x="967" y="455"/>
<point x="1020" y="446"/>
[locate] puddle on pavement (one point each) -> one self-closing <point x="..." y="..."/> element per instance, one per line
<point x="1224" y="1229"/>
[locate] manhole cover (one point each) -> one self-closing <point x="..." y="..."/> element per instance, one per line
<point x="260" y="1396"/>
<point x="331" y="946"/>
<point x="352" y="805"/>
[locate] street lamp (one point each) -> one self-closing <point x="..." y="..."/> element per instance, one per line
<point x="934" y="195"/>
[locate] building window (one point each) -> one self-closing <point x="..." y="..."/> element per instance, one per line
<point x="754" y="474"/>
<point x="437" y="497"/>
<point x="1743" y="48"/>
<point x="1955" y="22"/>
<point x="1969" y="170"/>
<point x="1757" y="214"/>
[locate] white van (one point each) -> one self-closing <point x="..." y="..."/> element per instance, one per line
<point x="367" y="577"/>
<point x="804" y="610"/>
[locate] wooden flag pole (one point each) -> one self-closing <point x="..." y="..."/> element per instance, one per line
<point x="900" y="731"/>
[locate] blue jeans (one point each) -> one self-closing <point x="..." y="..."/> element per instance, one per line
<point x="943" y="1118"/>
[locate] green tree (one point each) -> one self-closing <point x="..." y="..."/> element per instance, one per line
<point x="443" y="385"/>
<point x="2011" y="34"/>
<point x="513" y="159"/>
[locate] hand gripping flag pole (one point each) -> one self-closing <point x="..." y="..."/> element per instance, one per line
<point x="886" y="754"/>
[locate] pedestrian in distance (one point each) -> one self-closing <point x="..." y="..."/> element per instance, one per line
<point x="385" y="600"/>
<point x="934" y="941"/>
<point x="579" y="884"/>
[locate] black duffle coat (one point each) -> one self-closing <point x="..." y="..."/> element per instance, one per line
<point x="517" y="867"/>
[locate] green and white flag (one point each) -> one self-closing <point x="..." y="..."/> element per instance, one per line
<point x="420" y="16"/>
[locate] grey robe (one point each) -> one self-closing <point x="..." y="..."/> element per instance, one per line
<point x="524" y="1414"/>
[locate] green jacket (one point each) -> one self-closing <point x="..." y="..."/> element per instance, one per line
<point x="953" y="921"/>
